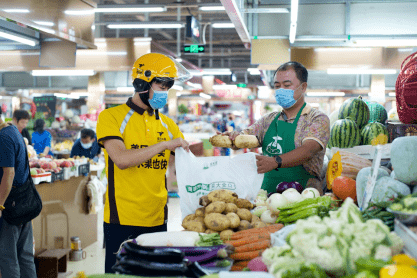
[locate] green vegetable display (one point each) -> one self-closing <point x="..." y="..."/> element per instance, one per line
<point x="309" y="207"/>
<point x="407" y="204"/>
<point x="209" y="240"/>
<point x="378" y="211"/>
<point x="334" y="243"/>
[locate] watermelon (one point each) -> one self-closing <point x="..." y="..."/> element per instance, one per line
<point x="377" y="112"/>
<point x="371" y="131"/>
<point x="344" y="133"/>
<point x="356" y="110"/>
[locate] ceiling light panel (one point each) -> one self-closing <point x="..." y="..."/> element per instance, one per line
<point x="146" y="26"/>
<point x="223" y="25"/>
<point x="361" y="71"/>
<point x="211" y="8"/>
<point x="17" y="38"/>
<point x="63" y="72"/>
<point x="129" y="9"/>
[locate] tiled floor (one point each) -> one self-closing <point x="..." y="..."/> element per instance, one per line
<point x="94" y="262"/>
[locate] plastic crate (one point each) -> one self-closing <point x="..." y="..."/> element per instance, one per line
<point x="84" y="169"/>
<point x="57" y="176"/>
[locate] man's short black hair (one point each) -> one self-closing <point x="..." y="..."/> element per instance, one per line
<point x="300" y="70"/>
<point x="88" y="133"/>
<point x="21" y="115"/>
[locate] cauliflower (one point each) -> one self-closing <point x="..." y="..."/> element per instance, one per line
<point x="383" y="252"/>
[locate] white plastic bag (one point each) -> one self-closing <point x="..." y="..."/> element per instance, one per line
<point x="198" y="176"/>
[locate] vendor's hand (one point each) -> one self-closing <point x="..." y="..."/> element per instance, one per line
<point x="232" y="134"/>
<point x="265" y="164"/>
<point x="179" y="142"/>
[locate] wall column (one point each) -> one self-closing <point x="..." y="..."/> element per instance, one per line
<point x="96" y="89"/>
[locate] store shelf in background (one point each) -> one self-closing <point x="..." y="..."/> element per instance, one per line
<point x="396" y="130"/>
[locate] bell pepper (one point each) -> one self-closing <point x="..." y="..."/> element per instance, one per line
<point x="398" y="271"/>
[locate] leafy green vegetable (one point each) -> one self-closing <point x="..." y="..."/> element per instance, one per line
<point x="304" y="271"/>
<point x="209" y="240"/>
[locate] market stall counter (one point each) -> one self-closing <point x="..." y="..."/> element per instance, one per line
<point x="64" y="214"/>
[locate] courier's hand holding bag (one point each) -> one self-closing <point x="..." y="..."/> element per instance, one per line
<point x="198" y="176"/>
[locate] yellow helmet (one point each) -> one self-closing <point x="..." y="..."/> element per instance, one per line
<point x="156" y="65"/>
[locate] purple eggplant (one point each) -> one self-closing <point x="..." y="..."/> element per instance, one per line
<point x="282" y="186"/>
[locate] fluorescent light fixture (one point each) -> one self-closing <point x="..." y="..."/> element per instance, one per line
<point x="66" y="96"/>
<point x="361" y="71"/>
<point x="46" y="30"/>
<point x="211" y="8"/>
<point x="178" y="94"/>
<point x="146" y="26"/>
<point x="62" y="72"/>
<point x="254" y="71"/>
<point x="342" y="49"/>
<point x="194" y="85"/>
<point x="203" y="95"/>
<point x="80" y="12"/>
<point x="179" y="60"/>
<point x="45" y="23"/>
<point x="387" y="43"/>
<point x="17" y="38"/>
<point x="391" y="94"/>
<point x="97" y="53"/>
<point x="18" y="53"/>
<point x="145" y="39"/>
<point x="100" y="44"/>
<point x="142" y="43"/>
<point x="224" y="87"/>
<point x="223" y="25"/>
<point x="405" y="49"/>
<point x="266" y="11"/>
<point x="125" y="89"/>
<point x="177" y="87"/>
<point x="17" y="11"/>
<point x="99" y="40"/>
<point x="217" y="72"/>
<point x="196" y="73"/>
<point x="293" y="30"/>
<point x="325" y="94"/>
<point x="112" y="9"/>
<point x="294" y="11"/>
<point x="80" y="94"/>
<point x="320" y="39"/>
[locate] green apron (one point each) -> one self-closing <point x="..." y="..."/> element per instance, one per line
<point x="279" y="139"/>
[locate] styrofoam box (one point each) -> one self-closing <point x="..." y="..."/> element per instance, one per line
<point x="67" y="173"/>
<point x="47" y="177"/>
<point x="367" y="151"/>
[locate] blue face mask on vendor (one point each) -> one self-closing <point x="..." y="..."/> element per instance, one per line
<point x="285" y="97"/>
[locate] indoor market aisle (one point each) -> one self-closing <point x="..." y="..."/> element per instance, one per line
<point x="94" y="263"/>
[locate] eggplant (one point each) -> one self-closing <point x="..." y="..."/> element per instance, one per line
<point x="202" y="253"/>
<point x="133" y="250"/>
<point x="148" y="268"/>
<point x="196" y="271"/>
<point x="282" y="186"/>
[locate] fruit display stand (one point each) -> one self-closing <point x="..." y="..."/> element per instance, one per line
<point x="72" y="195"/>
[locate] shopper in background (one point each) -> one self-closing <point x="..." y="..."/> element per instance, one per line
<point x="16" y="242"/>
<point x="293" y="141"/>
<point x="20" y="120"/>
<point x="41" y="139"/>
<point x="87" y="145"/>
<point x="231" y="124"/>
<point x="138" y="141"/>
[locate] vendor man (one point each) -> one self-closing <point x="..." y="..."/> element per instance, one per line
<point x="138" y="141"/>
<point x="87" y="145"/>
<point x="293" y="141"/>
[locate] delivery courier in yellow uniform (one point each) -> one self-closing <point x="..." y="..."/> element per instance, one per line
<point x="137" y="142"/>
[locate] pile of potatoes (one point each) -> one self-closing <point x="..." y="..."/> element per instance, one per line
<point x="222" y="212"/>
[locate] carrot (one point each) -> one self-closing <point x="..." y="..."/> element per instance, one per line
<point x="246" y="255"/>
<point x="269" y="229"/>
<point x="241" y="263"/>
<point x="248" y="240"/>
<point x="253" y="246"/>
<point x="237" y="268"/>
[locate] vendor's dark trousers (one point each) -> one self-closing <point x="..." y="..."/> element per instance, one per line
<point x="115" y="235"/>
<point x="16" y="251"/>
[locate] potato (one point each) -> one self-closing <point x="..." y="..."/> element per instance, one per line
<point x="222" y="141"/>
<point x="199" y="219"/>
<point x="234" y="220"/>
<point x="242" y="203"/>
<point x="259" y="224"/>
<point x="244" y="214"/>
<point x="204" y="201"/>
<point x="244" y="225"/>
<point x="187" y="219"/>
<point x="196" y="226"/>
<point x="255" y="219"/>
<point x="230" y="208"/>
<point x="246" y="141"/>
<point x="217" y="207"/>
<point x="226" y="234"/>
<point x="224" y="195"/>
<point x="208" y="231"/>
<point x="199" y="212"/>
<point x="217" y="222"/>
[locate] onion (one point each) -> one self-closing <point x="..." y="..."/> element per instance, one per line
<point x="257" y="265"/>
<point x="292" y="195"/>
<point x="259" y="210"/>
<point x="268" y="217"/>
<point x="276" y="201"/>
<point x="310" y="193"/>
<point x="260" y="201"/>
<point x="282" y="186"/>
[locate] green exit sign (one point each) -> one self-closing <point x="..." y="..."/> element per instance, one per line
<point x="241" y="85"/>
<point x="194" y="48"/>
